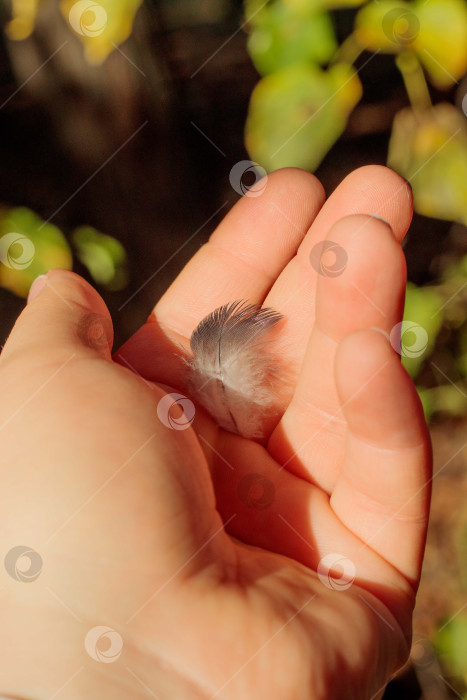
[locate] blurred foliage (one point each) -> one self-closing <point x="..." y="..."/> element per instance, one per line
<point x="101" y="26"/>
<point x="298" y="110"/>
<point x="23" y="18"/>
<point x="30" y="247"/>
<point x="422" y="308"/>
<point x="289" y="106"/>
<point x="103" y="256"/>
<point x="433" y="145"/>
<point x="437" y="333"/>
<point x="282" y="34"/>
<point x="451" y="646"/>
<point x="434" y="31"/>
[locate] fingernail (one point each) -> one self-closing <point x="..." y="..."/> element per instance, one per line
<point x="380" y="330"/>
<point x="36" y="287"/>
<point x="377" y="216"/>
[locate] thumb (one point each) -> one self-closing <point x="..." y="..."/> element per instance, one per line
<point x="64" y="315"/>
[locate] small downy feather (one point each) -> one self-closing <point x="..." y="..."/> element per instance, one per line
<point x="231" y="370"/>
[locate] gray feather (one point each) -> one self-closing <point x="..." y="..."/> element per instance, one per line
<point x="231" y="369"/>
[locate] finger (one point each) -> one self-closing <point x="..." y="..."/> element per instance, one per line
<point x="369" y="291"/>
<point x="371" y="189"/>
<point x="66" y="318"/>
<point x="382" y="494"/>
<point x="241" y="260"/>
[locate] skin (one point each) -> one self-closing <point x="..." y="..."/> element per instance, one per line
<point x="127" y="513"/>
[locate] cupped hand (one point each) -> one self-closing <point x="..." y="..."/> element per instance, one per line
<point x="194" y="563"/>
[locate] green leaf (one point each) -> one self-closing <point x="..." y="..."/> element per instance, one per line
<point x="430" y="150"/>
<point x="425" y="396"/>
<point x="100" y="26"/>
<point x="449" y="398"/>
<point x="104" y="257"/>
<point x="435" y="30"/>
<point x="451" y="644"/>
<point x="387" y="26"/>
<point x="296" y="114"/>
<point x="23" y="17"/>
<point x="442" y="41"/>
<point x="281" y="34"/>
<point x="422" y="312"/>
<point x="29" y="247"/>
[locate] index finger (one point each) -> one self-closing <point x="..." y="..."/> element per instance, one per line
<point x="241" y="260"/>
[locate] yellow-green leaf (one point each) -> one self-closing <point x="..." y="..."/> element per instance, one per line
<point x="446" y="398"/>
<point x="23" y="17"/>
<point x="422" y="323"/>
<point x="100" y="25"/>
<point x="296" y="114"/>
<point x="442" y="41"/>
<point x="281" y="34"/>
<point x="430" y="150"/>
<point x="29" y="247"/>
<point x="451" y="644"/>
<point x="436" y="30"/>
<point x="103" y="255"/>
<point x="387" y="26"/>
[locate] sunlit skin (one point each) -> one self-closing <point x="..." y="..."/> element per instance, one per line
<point x="127" y="514"/>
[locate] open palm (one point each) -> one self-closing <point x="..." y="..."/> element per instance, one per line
<point x="233" y="569"/>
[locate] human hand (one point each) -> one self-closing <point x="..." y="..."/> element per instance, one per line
<point x="127" y="514"/>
